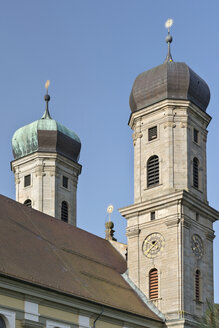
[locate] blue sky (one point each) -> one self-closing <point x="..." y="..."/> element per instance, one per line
<point x="92" y="50"/>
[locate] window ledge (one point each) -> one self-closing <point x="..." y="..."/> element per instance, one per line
<point x="198" y="302"/>
<point x="31" y="324"/>
<point x="67" y="189"/>
<point x="197" y="189"/>
<point x="197" y="143"/>
<point x="153" y="140"/>
<point x="28" y="186"/>
<point x="154" y="186"/>
<point x="155" y="299"/>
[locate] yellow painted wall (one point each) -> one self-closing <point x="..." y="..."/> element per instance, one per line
<point x="11" y="302"/>
<point x="18" y="324"/>
<point x="56" y="314"/>
<point x="103" y="324"/>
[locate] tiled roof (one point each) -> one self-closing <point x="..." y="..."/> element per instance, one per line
<point x="40" y="249"/>
<point x="170" y="80"/>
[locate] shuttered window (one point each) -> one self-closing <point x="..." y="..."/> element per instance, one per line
<point x="65" y="182"/>
<point x="27" y="180"/>
<point x="28" y="203"/>
<point x="195" y="135"/>
<point x="153" y="284"/>
<point x="152" y="133"/>
<point x="64" y="212"/>
<point x="195" y="172"/>
<point x="153" y="171"/>
<point x="197" y="285"/>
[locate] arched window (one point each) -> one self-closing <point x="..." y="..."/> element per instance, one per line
<point x="153" y="171"/>
<point x="197" y="285"/>
<point x="195" y="172"/>
<point x="64" y="211"/>
<point x="153" y="284"/>
<point x="28" y="203"/>
<point x="2" y="323"/>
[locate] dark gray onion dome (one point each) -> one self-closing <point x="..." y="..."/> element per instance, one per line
<point x="170" y="80"/>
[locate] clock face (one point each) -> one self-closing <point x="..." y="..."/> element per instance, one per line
<point x="153" y="244"/>
<point x="197" y="246"/>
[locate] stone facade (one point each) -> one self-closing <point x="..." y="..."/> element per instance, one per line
<point x="180" y="210"/>
<point x="46" y="190"/>
<point x="175" y="121"/>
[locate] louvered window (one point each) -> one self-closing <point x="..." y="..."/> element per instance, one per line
<point x="152" y="133"/>
<point x="197" y="285"/>
<point x="65" y="182"/>
<point x="153" y="171"/>
<point x="28" y="203"/>
<point x="153" y="284"/>
<point x="27" y="180"/>
<point x="195" y="135"/>
<point x="64" y="212"/>
<point x="2" y="323"/>
<point x="195" y="173"/>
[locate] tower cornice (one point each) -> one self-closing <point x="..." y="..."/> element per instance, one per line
<point x="183" y="196"/>
<point x="41" y="156"/>
<point x="164" y="105"/>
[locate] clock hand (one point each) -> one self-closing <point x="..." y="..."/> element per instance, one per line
<point x="153" y="245"/>
<point x="197" y="246"/>
<point x="148" y="242"/>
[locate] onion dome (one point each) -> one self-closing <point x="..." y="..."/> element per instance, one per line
<point x="46" y="135"/>
<point x="171" y="80"/>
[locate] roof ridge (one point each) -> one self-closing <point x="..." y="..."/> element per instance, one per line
<point x="87" y="257"/>
<point x="102" y="279"/>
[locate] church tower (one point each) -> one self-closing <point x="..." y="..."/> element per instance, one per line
<point x="170" y="225"/>
<point x="46" y="166"/>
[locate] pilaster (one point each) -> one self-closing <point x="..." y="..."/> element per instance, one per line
<point x="45" y="190"/>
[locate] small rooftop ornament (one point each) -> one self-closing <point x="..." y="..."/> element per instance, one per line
<point x="110" y="209"/>
<point x="169" y="39"/>
<point x="109" y="225"/>
<point x="47" y="99"/>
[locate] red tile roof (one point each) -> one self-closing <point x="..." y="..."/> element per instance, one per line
<point x="40" y="249"/>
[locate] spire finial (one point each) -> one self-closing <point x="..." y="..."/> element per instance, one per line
<point x="109" y="225"/>
<point x="47" y="99"/>
<point x="169" y="39"/>
<point x="110" y="209"/>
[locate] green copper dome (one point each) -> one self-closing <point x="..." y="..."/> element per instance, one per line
<point x="46" y="135"/>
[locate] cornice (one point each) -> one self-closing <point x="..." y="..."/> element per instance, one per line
<point x="31" y="324"/>
<point x="46" y="156"/>
<point x="163" y="201"/>
<point x="164" y="104"/>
